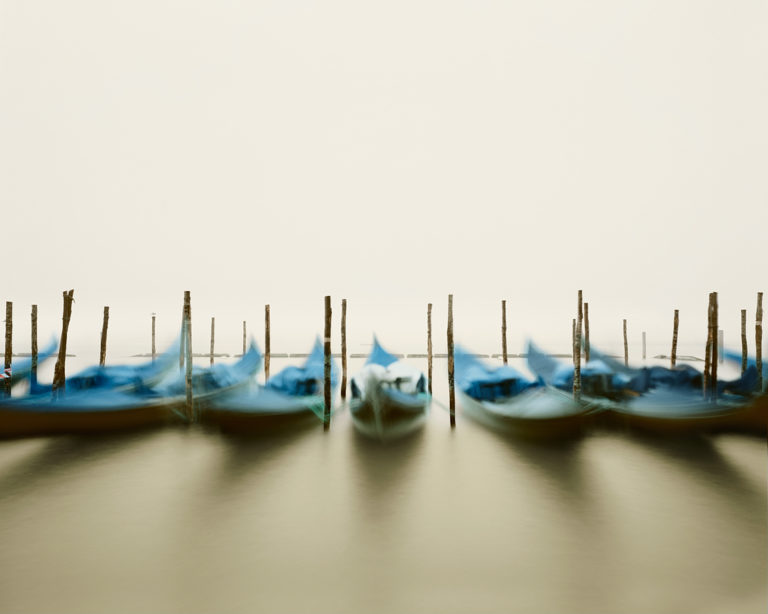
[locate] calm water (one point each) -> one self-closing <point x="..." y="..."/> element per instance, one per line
<point x="461" y="520"/>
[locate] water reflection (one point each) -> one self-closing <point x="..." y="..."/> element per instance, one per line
<point x="54" y="457"/>
<point x="382" y="472"/>
<point x="242" y="455"/>
<point x="448" y="520"/>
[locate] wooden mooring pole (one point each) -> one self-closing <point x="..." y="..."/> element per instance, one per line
<point x="577" y="349"/>
<point x="59" y="371"/>
<point x="744" y="347"/>
<point x="33" y="372"/>
<point x="586" y="332"/>
<point x="644" y="345"/>
<point x="266" y="343"/>
<point x="8" y="347"/>
<point x="103" y="347"/>
<point x="675" y="326"/>
<point x="244" y="337"/>
<point x="188" y="356"/>
<point x="327" y="366"/>
<point x="451" y="382"/>
<point x="626" y="345"/>
<point x="429" y="347"/>
<point x="759" y="341"/>
<point x="708" y="351"/>
<point x="213" y="331"/>
<point x="154" y="347"/>
<point x="343" y="349"/>
<point x="715" y="353"/>
<point x="504" y="331"/>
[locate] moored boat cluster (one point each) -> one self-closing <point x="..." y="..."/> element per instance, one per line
<point x="389" y="398"/>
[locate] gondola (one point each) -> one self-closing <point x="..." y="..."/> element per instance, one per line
<point x="661" y="400"/>
<point x="389" y="397"/>
<point x="126" y="377"/>
<point x="105" y="408"/>
<point x="294" y="396"/>
<point x="601" y="385"/>
<point x="503" y="399"/>
<point x="670" y="411"/>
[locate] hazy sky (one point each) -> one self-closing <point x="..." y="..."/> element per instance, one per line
<point x="390" y="153"/>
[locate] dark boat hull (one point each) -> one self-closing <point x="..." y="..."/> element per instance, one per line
<point x="749" y="419"/>
<point x="24" y="423"/>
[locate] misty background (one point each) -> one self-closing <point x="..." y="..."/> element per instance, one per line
<point x="275" y="152"/>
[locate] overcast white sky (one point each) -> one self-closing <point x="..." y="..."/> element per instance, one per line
<point x="390" y="153"/>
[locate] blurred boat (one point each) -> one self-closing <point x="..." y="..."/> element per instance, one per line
<point x="503" y="399"/>
<point x="214" y="380"/>
<point x="666" y="410"/>
<point x="656" y="398"/>
<point x="293" y="396"/>
<point x="106" y="408"/>
<point x="127" y="377"/>
<point x="389" y="397"/>
<point x="598" y="382"/>
<point x="95" y="410"/>
<point x="672" y="401"/>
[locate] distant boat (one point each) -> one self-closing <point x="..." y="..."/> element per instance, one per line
<point x="105" y="408"/>
<point x="389" y="397"/>
<point x="294" y="395"/>
<point x="503" y="399"/>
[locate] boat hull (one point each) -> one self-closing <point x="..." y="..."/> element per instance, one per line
<point x="538" y="413"/>
<point x="385" y="415"/>
<point x="26" y="423"/>
<point x="749" y="418"/>
<point x="255" y="407"/>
